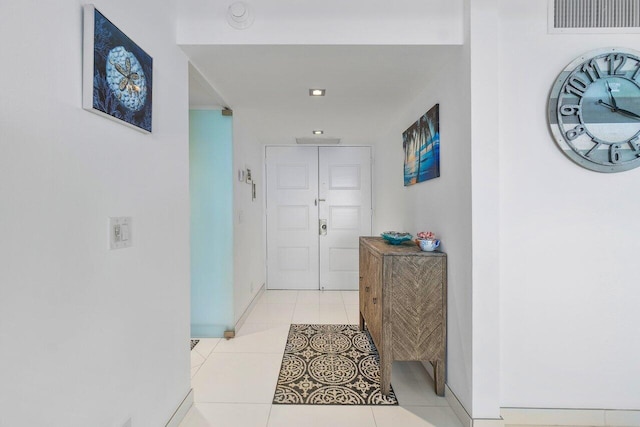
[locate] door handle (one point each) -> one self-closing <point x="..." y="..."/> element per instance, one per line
<point x="323" y="227"/>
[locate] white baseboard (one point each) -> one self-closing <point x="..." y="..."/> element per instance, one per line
<point x="464" y="416"/>
<point x="457" y="407"/>
<point x="615" y="417"/>
<point x="571" y="417"/>
<point x="182" y="410"/>
<point x="247" y="311"/>
<point x="546" y="417"/>
<point x="488" y="422"/>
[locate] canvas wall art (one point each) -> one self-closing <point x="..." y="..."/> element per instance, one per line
<point x="421" y="144"/>
<point x="117" y="74"/>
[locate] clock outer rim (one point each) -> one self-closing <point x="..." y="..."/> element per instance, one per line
<point x="552" y="106"/>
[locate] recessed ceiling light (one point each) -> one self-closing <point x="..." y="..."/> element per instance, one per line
<point x="316" y="92"/>
<point x="318" y="132"/>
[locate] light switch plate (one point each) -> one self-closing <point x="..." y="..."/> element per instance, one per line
<point x="120" y="233"/>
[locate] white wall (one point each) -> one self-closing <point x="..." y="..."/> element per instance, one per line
<point x="88" y="336"/>
<point x="326" y="22"/>
<point x="481" y="36"/>
<point x="569" y="239"/>
<point x="249" y="249"/>
<point x="442" y="205"/>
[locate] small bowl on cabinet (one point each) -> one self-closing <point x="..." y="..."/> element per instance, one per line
<point x="429" y="245"/>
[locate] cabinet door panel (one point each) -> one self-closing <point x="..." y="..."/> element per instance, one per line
<point x="417" y="307"/>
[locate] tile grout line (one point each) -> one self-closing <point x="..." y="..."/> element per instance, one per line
<point x="269" y="416"/>
<point x="232" y="403"/>
<point x="373" y="415"/>
<point x="210" y="351"/>
<point x="346" y="312"/>
<point x="249" y="352"/>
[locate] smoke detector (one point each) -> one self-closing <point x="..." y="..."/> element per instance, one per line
<point x="239" y="15"/>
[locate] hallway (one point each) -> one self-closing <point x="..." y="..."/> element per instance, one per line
<point x="234" y="381"/>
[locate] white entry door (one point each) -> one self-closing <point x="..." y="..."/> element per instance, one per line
<point x="318" y="204"/>
<point x="292" y="217"/>
<point x="345" y="204"/>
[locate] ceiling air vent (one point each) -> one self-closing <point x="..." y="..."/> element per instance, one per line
<point x="594" y="16"/>
<point x="318" y="140"/>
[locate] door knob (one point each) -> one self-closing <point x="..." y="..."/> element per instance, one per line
<point x="323" y="227"/>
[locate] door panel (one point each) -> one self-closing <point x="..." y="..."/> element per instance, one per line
<point x="345" y="202"/>
<point x="292" y="217"/>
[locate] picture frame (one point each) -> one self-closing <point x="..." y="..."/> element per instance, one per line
<point x="421" y="145"/>
<point x="117" y="75"/>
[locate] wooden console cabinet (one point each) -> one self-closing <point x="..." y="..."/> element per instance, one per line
<point x="403" y="304"/>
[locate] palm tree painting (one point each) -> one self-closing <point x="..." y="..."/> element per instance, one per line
<point x="421" y="144"/>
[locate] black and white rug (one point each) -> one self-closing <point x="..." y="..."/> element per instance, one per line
<point x="330" y="365"/>
<point x="193" y="343"/>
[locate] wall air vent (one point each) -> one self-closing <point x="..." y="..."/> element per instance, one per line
<point x="594" y="16"/>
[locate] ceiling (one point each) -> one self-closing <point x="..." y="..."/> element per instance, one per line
<point x="367" y="86"/>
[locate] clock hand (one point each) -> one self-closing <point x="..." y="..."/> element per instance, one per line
<point x="619" y="110"/>
<point x="613" y="100"/>
<point x="628" y="113"/>
<point x="601" y="102"/>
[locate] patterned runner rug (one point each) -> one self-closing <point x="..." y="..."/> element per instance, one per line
<point x="330" y="365"/>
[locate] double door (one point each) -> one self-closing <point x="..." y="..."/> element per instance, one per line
<point x="318" y="204"/>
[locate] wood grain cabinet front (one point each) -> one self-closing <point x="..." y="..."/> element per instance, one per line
<point x="403" y="305"/>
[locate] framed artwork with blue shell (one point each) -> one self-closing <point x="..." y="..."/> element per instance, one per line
<point x="117" y="73"/>
<point x="421" y="145"/>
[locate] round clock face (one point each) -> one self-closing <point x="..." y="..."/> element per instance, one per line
<point x="594" y="110"/>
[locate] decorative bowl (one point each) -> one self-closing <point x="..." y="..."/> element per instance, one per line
<point x="395" y="238"/>
<point x="429" y="245"/>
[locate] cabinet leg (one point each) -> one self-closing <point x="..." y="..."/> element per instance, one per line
<point x="385" y="375"/>
<point x="361" y="322"/>
<point x="438" y="373"/>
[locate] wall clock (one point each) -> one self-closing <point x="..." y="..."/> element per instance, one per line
<point x="594" y="110"/>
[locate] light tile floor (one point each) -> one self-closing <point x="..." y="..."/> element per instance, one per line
<point x="234" y="380"/>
